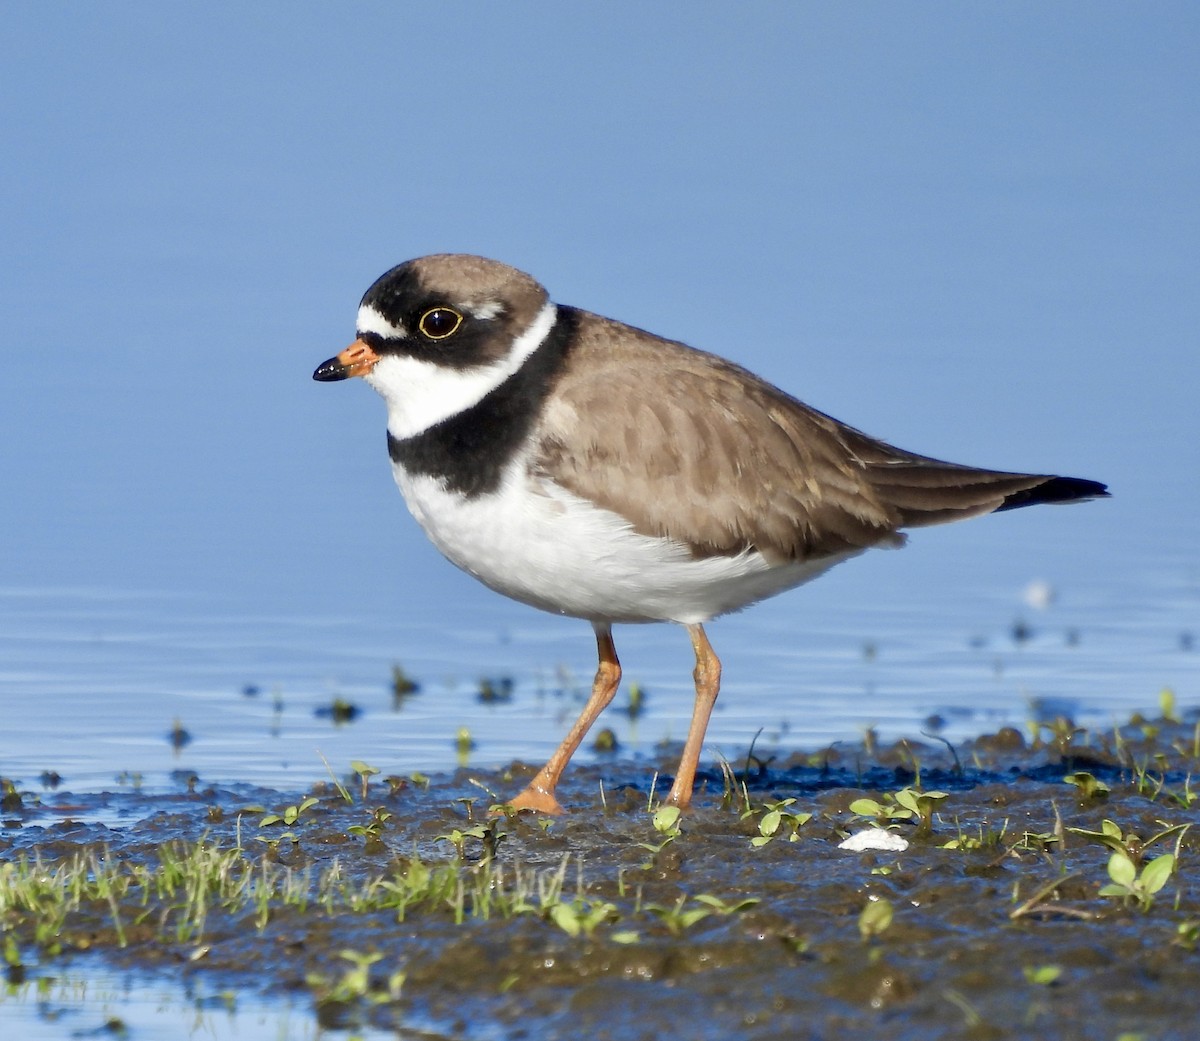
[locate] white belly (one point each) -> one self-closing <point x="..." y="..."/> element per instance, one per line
<point x="537" y="543"/>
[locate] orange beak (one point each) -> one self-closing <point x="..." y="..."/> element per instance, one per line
<point x="356" y="360"/>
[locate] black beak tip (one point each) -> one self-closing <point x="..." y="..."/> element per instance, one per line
<point x="330" y="371"/>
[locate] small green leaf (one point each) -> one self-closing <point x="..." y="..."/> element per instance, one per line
<point x="1044" y="975"/>
<point x="1121" y="869"/>
<point x="665" y="818"/>
<point x="876" y="917"/>
<point x="770" y="823"/>
<point x="1157" y="872"/>
<point x="690" y="918"/>
<point x="566" y="919"/>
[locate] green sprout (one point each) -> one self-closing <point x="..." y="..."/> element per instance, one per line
<point x="876" y="918"/>
<point x="1090" y="787"/>
<point x="906" y="804"/>
<point x="355" y="983"/>
<point x="290" y="814"/>
<point x="581" y="916"/>
<point x="666" y="823"/>
<point x="1131" y="886"/>
<point x="364" y="774"/>
<point x="776" y="817"/>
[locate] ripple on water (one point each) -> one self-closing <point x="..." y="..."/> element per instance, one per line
<point x="93" y="681"/>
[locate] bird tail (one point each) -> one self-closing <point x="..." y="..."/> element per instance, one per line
<point x="928" y="491"/>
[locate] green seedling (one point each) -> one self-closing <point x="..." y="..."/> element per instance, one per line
<point x="341" y="788"/>
<point x="1187" y="934"/>
<point x="364" y="773"/>
<point x="1154" y="786"/>
<point x="372" y="831"/>
<point x="666" y="823"/>
<point x="1130" y="886"/>
<point x="1037" y="842"/>
<point x="777" y="817"/>
<point x="1042" y="975"/>
<point x="457" y="837"/>
<point x="290" y="814"/>
<point x="733" y="788"/>
<point x="1131" y="846"/>
<point x="582" y="915"/>
<point x="984" y="838"/>
<point x="1090" y="787"/>
<point x="675" y="918"/>
<point x="1060" y="731"/>
<point x="726" y="907"/>
<point x="355" y="984"/>
<point x="906" y="804"/>
<point x="1184" y="797"/>
<point x="875" y="918"/>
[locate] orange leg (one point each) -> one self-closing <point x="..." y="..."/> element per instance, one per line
<point x="539" y="793"/>
<point x="708" y="684"/>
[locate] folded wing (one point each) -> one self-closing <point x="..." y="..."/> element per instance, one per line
<point x="686" y="445"/>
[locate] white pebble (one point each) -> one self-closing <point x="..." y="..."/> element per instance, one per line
<point x="875" y="838"/>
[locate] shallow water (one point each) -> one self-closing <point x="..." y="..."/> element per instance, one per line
<point x="92" y="1000"/>
<point x="93" y="681"/>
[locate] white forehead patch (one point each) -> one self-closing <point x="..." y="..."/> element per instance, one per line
<point x="371" y="321"/>
<point x="420" y="393"/>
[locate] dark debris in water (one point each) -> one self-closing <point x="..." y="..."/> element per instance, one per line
<point x="742" y="919"/>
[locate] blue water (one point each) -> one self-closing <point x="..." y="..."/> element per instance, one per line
<point x="94" y="680"/>
<point x="89" y="1000"/>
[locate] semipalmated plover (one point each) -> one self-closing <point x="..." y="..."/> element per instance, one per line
<point x="595" y="470"/>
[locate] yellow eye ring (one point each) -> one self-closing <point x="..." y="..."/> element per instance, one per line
<point x="439" y="322"/>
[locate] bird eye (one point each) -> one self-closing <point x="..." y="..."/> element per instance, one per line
<point x="439" y="322"/>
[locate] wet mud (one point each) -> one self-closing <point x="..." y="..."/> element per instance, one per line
<point x="1026" y="904"/>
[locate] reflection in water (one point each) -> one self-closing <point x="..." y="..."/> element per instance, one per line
<point x="89" y="1001"/>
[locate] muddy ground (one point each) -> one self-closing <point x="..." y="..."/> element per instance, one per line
<point x="1004" y="917"/>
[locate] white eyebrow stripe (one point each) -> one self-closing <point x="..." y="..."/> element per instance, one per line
<point x="486" y="310"/>
<point x="372" y="321"/>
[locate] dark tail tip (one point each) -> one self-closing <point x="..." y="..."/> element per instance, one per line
<point x="1056" y="489"/>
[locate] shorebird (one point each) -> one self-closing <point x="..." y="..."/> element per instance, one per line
<point x="592" y="469"/>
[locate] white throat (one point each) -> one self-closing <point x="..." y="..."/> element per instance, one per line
<point x="420" y="394"/>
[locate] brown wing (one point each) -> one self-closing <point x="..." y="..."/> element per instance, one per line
<point x="689" y="446"/>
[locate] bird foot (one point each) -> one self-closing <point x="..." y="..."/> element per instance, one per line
<point x="539" y="800"/>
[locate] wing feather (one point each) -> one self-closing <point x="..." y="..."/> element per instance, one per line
<point x="686" y="445"/>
